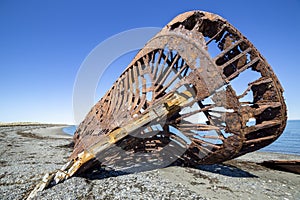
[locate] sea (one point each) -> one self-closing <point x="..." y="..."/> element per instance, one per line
<point x="287" y="143"/>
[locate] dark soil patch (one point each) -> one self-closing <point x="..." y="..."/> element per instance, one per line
<point x="30" y="135"/>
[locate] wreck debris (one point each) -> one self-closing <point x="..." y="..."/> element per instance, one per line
<point x="176" y="102"/>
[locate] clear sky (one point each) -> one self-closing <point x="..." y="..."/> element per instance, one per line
<point x="43" y="43"/>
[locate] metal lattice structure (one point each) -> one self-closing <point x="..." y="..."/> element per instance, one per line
<point x="176" y="101"/>
<point x="168" y="64"/>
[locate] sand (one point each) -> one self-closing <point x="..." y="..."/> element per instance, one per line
<point x="29" y="151"/>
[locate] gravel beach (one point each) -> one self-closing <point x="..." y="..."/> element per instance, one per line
<point x="29" y="151"/>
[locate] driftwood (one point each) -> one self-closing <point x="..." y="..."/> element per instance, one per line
<point x="176" y="103"/>
<point x="283" y="165"/>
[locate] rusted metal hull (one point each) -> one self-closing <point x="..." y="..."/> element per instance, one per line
<point x="186" y="99"/>
<point x="203" y="54"/>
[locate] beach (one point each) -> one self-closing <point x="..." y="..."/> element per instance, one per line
<point x="28" y="151"/>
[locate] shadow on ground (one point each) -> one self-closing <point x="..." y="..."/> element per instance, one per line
<point x="227" y="169"/>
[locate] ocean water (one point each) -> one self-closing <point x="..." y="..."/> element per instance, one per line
<point x="70" y="129"/>
<point x="287" y="143"/>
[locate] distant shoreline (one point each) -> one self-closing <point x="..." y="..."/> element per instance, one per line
<point x="30" y="124"/>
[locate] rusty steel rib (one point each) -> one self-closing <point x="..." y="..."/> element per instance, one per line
<point x="178" y="99"/>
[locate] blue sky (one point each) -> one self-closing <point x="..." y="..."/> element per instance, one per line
<point x="43" y="43"/>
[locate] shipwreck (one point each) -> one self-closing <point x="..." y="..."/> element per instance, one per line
<point x="176" y="103"/>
